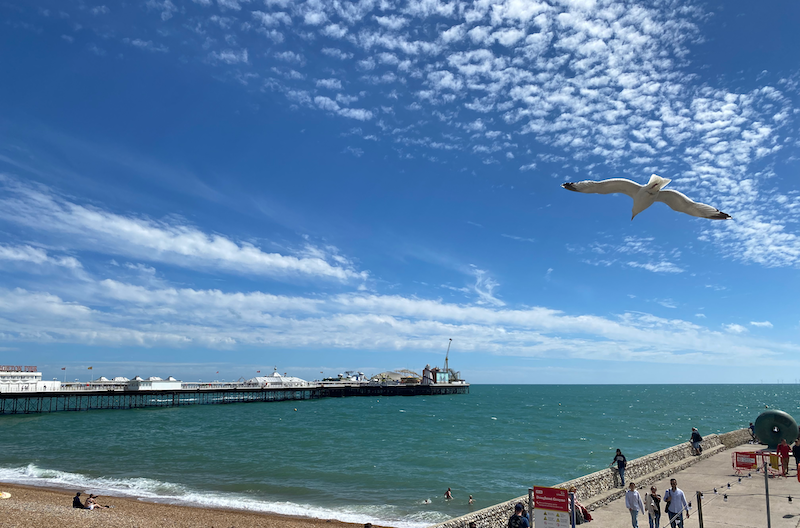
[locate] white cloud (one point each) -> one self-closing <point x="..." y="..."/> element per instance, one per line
<point x="392" y="22"/>
<point x="330" y="84"/>
<point x="328" y="104"/>
<point x="315" y="18"/>
<point x="518" y="238"/>
<point x="334" y="31"/>
<point x="166" y="7"/>
<point x="231" y="4"/>
<point x="735" y="328"/>
<point x="159" y="241"/>
<point x="146" y="45"/>
<point x="119" y="313"/>
<point x="337" y="53"/>
<point x="657" y="267"/>
<point x="484" y="287"/>
<point x="35" y="256"/>
<point x="761" y="324"/>
<point x="272" y="19"/>
<point x="229" y="56"/>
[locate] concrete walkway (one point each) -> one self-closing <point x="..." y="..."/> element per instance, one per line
<point x="745" y="507"/>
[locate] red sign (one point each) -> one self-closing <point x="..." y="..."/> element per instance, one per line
<point x="554" y="499"/>
<point x="16" y="368"/>
<point x="745" y="461"/>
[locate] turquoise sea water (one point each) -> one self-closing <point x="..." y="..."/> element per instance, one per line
<point x="371" y="459"/>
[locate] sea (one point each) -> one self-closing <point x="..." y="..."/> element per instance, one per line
<point x="386" y="460"/>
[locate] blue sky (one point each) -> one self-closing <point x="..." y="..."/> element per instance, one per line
<point x="189" y="187"/>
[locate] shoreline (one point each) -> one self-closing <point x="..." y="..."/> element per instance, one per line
<point x="40" y="507"/>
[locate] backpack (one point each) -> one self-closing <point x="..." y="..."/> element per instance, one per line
<point x="515" y="521"/>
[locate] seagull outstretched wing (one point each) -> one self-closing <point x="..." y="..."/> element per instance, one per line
<point x="681" y="203"/>
<point x="614" y="185"/>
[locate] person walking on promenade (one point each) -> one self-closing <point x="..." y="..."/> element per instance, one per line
<point x="676" y="504"/>
<point x="696" y="439"/>
<point x="796" y="452"/>
<point x="783" y="454"/>
<point x="652" y="503"/>
<point x="518" y="520"/>
<point x="633" y="501"/>
<point x="621" y="461"/>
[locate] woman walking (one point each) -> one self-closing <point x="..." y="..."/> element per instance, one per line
<point x="652" y="503"/>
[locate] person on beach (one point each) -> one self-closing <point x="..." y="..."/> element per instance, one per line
<point x="518" y="520"/>
<point x="448" y="494"/>
<point x="652" y="503"/>
<point x="753" y="438"/>
<point x="91" y="503"/>
<point x="621" y="461"/>
<point x="783" y="454"/>
<point x="77" y="502"/>
<point x="633" y="501"/>
<point x="696" y="439"/>
<point x="676" y="504"/>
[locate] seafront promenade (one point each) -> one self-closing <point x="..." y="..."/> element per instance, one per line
<point x="745" y="506"/>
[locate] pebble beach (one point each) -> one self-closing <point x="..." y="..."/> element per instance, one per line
<point x="30" y="507"/>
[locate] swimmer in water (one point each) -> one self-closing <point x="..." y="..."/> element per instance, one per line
<point x="447" y="494"/>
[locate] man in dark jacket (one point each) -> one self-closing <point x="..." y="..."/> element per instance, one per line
<point x="696" y="439"/>
<point x="518" y="520"/>
<point x="76" y="501"/>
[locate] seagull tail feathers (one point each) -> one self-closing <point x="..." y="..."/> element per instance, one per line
<point x="658" y="181"/>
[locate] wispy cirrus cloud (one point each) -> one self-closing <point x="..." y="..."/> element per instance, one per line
<point x="656" y="267"/>
<point x="34" y="255"/>
<point x="151" y="240"/>
<point x="659" y="259"/>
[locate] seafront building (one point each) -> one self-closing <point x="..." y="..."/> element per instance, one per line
<point x="29" y="379"/>
<point x="18" y="378"/>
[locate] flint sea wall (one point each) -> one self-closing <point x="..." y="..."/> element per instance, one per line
<point x="602" y="487"/>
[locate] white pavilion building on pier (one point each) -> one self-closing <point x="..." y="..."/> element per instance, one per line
<point x="18" y="378"/>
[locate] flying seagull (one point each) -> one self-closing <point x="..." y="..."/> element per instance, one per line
<point x="644" y="196"/>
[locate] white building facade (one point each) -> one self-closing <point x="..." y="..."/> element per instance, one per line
<point x="19" y="378"/>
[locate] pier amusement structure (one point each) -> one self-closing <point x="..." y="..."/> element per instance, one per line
<point x="22" y="390"/>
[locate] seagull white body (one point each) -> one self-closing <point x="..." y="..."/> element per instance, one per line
<point x="645" y="195"/>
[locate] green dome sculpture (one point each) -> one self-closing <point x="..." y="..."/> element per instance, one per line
<point x="774" y="426"/>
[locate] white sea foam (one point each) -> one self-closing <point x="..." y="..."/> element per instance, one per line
<point x="171" y="493"/>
